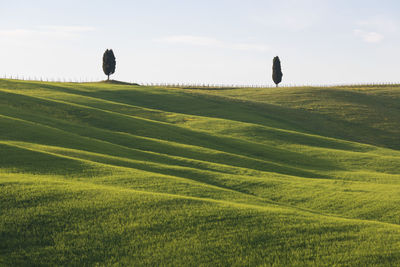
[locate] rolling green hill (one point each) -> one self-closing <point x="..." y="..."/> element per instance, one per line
<point x="103" y="174"/>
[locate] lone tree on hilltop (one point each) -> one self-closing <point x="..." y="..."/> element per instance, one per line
<point x="276" y="71"/>
<point x="108" y="63"/>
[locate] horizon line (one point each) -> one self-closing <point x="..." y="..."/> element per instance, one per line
<point x="200" y="85"/>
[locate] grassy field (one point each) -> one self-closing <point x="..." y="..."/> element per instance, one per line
<point x="102" y="174"/>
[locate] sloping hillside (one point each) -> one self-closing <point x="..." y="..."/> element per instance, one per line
<point x="120" y="174"/>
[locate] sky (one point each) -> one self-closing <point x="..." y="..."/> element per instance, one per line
<point x="203" y="42"/>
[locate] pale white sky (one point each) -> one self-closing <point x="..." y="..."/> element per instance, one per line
<point x="209" y="41"/>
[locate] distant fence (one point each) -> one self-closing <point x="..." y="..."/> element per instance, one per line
<point x="285" y="85"/>
<point x="204" y="86"/>
<point x="48" y="79"/>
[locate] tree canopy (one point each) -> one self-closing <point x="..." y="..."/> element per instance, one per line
<point x="109" y="63"/>
<point x="276" y="71"/>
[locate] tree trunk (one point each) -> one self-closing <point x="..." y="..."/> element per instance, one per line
<point x="108" y="77"/>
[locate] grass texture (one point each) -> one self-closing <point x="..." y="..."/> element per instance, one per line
<point x="103" y="174"/>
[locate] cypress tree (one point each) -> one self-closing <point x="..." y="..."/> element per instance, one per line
<point x="108" y="63"/>
<point x="276" y="71"/>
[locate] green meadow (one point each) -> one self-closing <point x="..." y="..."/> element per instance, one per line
<point x="99" y="174"/>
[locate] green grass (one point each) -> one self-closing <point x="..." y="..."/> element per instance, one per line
<point x="118" y="174"/>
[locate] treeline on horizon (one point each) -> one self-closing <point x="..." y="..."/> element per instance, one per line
<point x="109" y="64"/>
